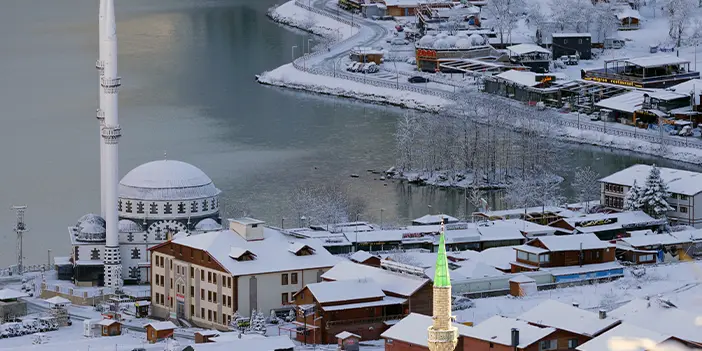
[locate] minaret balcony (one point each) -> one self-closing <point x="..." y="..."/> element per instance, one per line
<point x="110" y="85"/>
<point x="449" y="335"/>
<point x="111" y="134"/>
<point x="100" y="115"/>
<point x="100" y="65"/>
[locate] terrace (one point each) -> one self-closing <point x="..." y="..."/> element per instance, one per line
<point x="657" y="71"/>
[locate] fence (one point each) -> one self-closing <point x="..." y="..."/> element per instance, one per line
<point x="6" y="272"/>
<point x="671" y="141"/>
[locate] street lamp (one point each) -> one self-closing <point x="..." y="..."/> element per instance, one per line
<point x="292" y="52"/>
<point x="381" y="218"/>
<point x="309" y="47"/>
<point x="282" y="223"/>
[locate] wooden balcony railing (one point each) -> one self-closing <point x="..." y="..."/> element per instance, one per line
<point x="368" y="320"/>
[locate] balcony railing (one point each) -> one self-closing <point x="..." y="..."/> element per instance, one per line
<point x="369" y="320"/>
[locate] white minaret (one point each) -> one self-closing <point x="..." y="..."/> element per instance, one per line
<point x="100" y="65"/>
<point x="111" y="132"/>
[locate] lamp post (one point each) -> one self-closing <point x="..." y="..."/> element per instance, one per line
<point x="381" y="218"/>
<point x="282" y="223"/>
<point x="309" y="46"/>
<point x="292" y="52"/>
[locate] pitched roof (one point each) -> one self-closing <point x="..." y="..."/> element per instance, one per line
<point x="272" y="253"/>
<point x="9" y="294"/>
<point x="360" y="256"/>
<point x="498" y="329"/>
<point x="434" y="219"/>
<point x="345" y="290"/>
<point x="654" y="240"/>
<point x="413" y="329"/>
<point x="346" y="335"/>
<point x="107" y="322"/>
<point x="624" y="331"/>
<point x="521" y="49"/>
<point x="573" y="242"/>
<point x="162" y="325"/>
<point x="58" y="300"/>
<point x="473" y="269"/>
<point x="598" y="222"/>
<point x="389" y="282"/>
<point x="678" y="181"/>
<point x="661" y="317"/>
<point x="567" y="317"/>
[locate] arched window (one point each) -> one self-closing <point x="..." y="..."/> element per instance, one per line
<point x="181" y="207"/>
<point x="129" y="206"/>
<point x="212" y="203"/>
<point x="204" y="205"/>
<point x="140" y="207"/>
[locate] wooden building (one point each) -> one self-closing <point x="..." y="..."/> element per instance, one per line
<point x="506" y="334"/>
<point x="416" y="290"/>
<point x="651" y="248"/>
<point x="366" y="258"/>
<point x="573" y="326"/>
<point x="628" y="19"/>
<point x="348" y="341"/>
<point x="350" y="305"/>
<point x="159" y="330"/>
<point x="110" y="327"/>
<point x="366" y="54"/>
<point x="608" y="226"/>
<point x="204" y="336"/>
<point x="410" y="334"/>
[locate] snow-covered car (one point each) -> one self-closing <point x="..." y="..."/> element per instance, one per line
<point x="399" y="41"/>
<point x="462" y="303"/>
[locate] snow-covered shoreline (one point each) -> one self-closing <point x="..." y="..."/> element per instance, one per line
<point x="440" y="179"/>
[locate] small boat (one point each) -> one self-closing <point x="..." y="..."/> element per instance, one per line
<point x="354" y="175"/>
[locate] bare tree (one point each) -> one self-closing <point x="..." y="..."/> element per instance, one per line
<point x="327" y="204"/>
<point x="586" y="185"/>
<point x="603" y="20"/>
<point x="678" y="12"/>
<point x="505" y="14"/>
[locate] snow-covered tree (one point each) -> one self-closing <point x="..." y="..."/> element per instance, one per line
<point x="399" y="256"/>
<point x="604" y="22"/>
<point x="291" y="316"/>
<point x="327" y="204"/>
<point x="679" y="15"/>
<point x="258" y="323"/>
<point x="655" y="194"/>
<point x="586" y="185"/>
<point x="632" y="199"/>
<point x="252" y="319"/>
<point x="569" y="13"/>
<point x="235" y="320"/>
<point x="505" y="15"/>
<point x="273" y="317"/>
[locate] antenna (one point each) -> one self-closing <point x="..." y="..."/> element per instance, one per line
<point x="20" y="228"/>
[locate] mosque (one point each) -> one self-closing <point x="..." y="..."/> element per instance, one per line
<point x="151" y="204"/>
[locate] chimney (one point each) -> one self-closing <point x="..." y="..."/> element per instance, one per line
<point x="603" y="314"/>
<point x="248" y="228"/>
<point x="515" y="338"/>
<point x="575" y="304"/>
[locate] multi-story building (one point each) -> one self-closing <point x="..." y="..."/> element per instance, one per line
<point x="685" y="189"/>
<point x="206" y="278"/>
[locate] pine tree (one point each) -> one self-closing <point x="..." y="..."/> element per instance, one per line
<point x="259" y="323"/>
<point x="632" y="200"/>
<point x="291" y="316"/>
<point x="655" y="194"/>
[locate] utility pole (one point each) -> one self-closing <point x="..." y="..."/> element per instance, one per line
<point x="19" y="228"/>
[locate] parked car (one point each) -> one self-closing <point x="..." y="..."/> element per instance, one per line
<point x="355" y="66"/>
<point x="417" y="79"/>
<point x="399" y="28"/>
<point x="399" y="41"/>
<point x="569" y="60"/>
<point x="372" y="68"/>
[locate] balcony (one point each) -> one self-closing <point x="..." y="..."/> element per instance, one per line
<point x="369" y="320"/>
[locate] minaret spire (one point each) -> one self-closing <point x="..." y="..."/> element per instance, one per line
<point x="443" y="335"/>
<point x="100" y="65"/>
<point x="111" y="133"/>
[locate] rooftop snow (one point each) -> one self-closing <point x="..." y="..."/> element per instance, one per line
<point x="567" y="317"/>
<point x="413" y="329"/>
<point x="656" y="316"/>
<point x="573" y="242"/>
<point x="691" y="235"/>
<point x="521" y="278"/>
<point x="632" y="101"/>
<point x="679" y="181"/>
<point x="434" y="219"/>
<point x="297" y="246"/>
<point x="269" y="343"/>
<point x="386" y="301"/>
<point x="628" y="12"/>
<point x="9" y="294"/>
<point x="517" y="212"/>
<point x="653" y="240"/>
<point x="626" y="331"/>
<point x="345" y="290"/>
<point x="522" y="49"/>
<point x="403" y="285"/>
<point x="166" y="180"/>
<point x="520" y="77"/>
<point x="107" y="322"/>
<point x="58" y="300"/>
<point x="472" y="269"/>
<point x="167" y="325"/>
<point x="498" y="257"/>
<point x="571" y="35"/>
<point x="272" y="254"/>
<point x="656" y="61"/>
<point x="360" y="256"/>
<point x="498" y="329"/>
<point x="530" y="249"/>
<point x="346" y="335"/>
<point x="623" y="220"/>
<point x="693" y="86"/>
<point x="586" y="268"/>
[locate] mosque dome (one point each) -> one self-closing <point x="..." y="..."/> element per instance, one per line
<point x="208" y="224"/>
<point x="451" y="40"/>
<point x="128" y="226"/>
<point x="89" y="231"/>
<point x="464" y="43"/>
<point x="166" y="180"/>
<point x="91" y="219"/>
<point x="441" y="44"/>
<point x="427" y="41"/>
<point x="442" y="35"/>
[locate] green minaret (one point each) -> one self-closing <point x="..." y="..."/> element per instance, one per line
<point x="441" y="275"/>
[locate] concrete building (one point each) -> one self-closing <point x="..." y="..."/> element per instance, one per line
<point x="685" y="189"/>
<point x="10" y="304"/>
<point x="206" y="278"/>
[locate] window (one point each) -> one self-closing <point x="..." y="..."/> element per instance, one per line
<point x="140" y="207"/>
<point x="204" y="205"/>
<point x="229" y="282"/>
<point x="572" y="343"/>
<point x="293" y="278"/>
<point x="192" y="291"/>
<point x="129" y="206"/>
<point x="284" y="279"/>
<point x="153" y="208"/>
<point x="674" y="208"/>
<point x="119" y="206"/>
<point x="683" y="209"/>
<point x="202" y="312"/>
<point x="544" y="258"/>
<point x="209" y="315"/>
<point x="492" y="346"/>
<point x="171" y="283"/>
<point x="181" y="207"/>
<point x="683" y="197"/>
<point x="673" y="196"/>
<point x="597" y="255"/>
<point x="202" y="275"/>
<point x="522" y="255"/>
<point x="214" y="297"/>
<point x="192" y="310"/>
<point x="646" y="258"/>
<point x="580" y="41"/>
<point x="284" y="299"/>
<point x="168" y="208"/>
<point x="202" y="294"/>
<point x="224" y="318"/>
<point x="192" y="269"/>
<point x="214" y="278"/>
<point x="229" y="301"/>
<point x="548" y="345"/>
<point x="209" y="277"/>
<point x="193" y="207"/>
<point x="209" y="296"/>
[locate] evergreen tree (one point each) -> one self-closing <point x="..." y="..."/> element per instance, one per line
<point x="632" y="200"/>
<point x="291" y="316"/>
<point x="655" y="194"/>
<point x="259" y="323"/>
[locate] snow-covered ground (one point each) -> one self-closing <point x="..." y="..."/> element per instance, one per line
<point x="295" y="16"/>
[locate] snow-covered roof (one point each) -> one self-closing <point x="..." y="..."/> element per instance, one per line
<point x="360" y="256"/>
<point x="632" y="101"/>
<point x="586" y="268"/>
<point x="472" y="269"/>
<point x="91" y="218"/>
<point x="297" y="246"/>
<point x="499" y="233"/>
<point x="693" y="86"/>
<point x="556" y="243"/>
<point x="521" y="49"/>
<point x="360" y="50"/>
<point x="107" y="322"/>
<point x="660" y="317"/>
<point x="571" y="35"/>
<point x="400" y="284"/>
<point x="166" y="180"/>
<point x="498" y="257"/>
<point x="624" y="331"/>
<point x="530" y="249"/>
<point x="58" y="300"/>
<point x="346" y="335"/>
<point x="208" y="224"/>
<point x="598" y="222"/>
<point x="691" y="235"/>
<point x="129" y="226"/>
<point x="521" y="278"/>
<point x="653" y="240"/>
<point x="272" y="253"/>
<point x="413" y="329"/>
<point x="268" y="343"/>
<point x="567" y="317"/>
<point x="162" y="325"/>
<point x="656" y="61"/>
<point x="516" y="212"/>
<point x="678" y="181"/>
<point x="520" y="77"/>
<point x="385" y="301"/>
<point x="9" y="294"/>
<point x="498" y="329"/>
<point x="628" y="12"/>
<point x="434" y="219"/>
<point x="345" y="290"/>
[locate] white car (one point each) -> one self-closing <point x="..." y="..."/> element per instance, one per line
<point x="399" y="41"/>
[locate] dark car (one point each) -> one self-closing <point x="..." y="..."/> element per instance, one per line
<point x="417" y="79"/>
